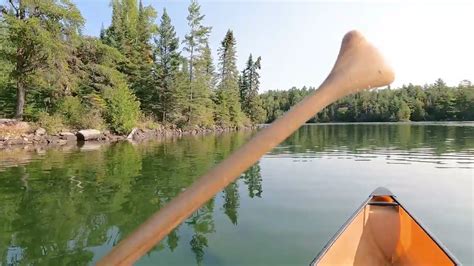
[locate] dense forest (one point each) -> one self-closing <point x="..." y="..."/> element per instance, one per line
<point x="136" y="72"/>
<point x="139" y="73"/>
<point x="434" y="102"/>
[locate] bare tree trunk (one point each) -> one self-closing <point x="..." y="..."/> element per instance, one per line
<point x="191" y="72"/>
<point x="190" y="82"/>
<point x="20" y="84"/>
<point x="20" y="99"/>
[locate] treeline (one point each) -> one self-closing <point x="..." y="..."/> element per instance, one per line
<point x="136" y="72"/>
<point x="435" y="102"/>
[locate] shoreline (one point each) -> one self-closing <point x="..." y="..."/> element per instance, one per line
<point x="23" y="135"/>
<point x="27" y="136"/>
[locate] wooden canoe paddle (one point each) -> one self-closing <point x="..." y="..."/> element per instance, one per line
<point x="358" y="67"/>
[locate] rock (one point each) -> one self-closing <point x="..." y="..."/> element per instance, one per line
<point x="52" y="139"/>
<point x="88" y="134"/>
<point x="40" y="131"/>
<point x="62" y="142"/>
<point x="14" y="142"/>
<point x="67" y="136"/>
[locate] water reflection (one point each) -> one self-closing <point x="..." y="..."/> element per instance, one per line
<point x="70" y="205"/>
<point x="446" y="146"/>
<point x="56" y="205"/>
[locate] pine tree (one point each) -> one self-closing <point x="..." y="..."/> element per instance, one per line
<point x="130" y="22"/>
<point x="114" y="34"/>
<point x="208" y="67"/>
<point x="141" y="79"/>
<point x="167" y="61"/>
<point x="201" y="107"/>
<point x="228" y="110"/>
<point x="196" y="41"/>
<point x="131" y="31"/>
<point x="249" y="86"/>
<point x="145" y="28"/>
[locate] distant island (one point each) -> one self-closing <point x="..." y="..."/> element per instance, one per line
<point x="138" y="73"/>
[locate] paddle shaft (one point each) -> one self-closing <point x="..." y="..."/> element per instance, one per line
<point x="181" y="207"/>
<point x="359" y="66"/>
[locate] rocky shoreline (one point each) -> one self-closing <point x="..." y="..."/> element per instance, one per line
<point x="15" y="133"/>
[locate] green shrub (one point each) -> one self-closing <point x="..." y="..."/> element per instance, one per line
<point x="92" y="119"/>
<point x="72" y="111"/>
<point x="80" y="116"/>
<point x="123" y="109"/>
<point x="147" y="122"/>
<point x="52" y="123"/>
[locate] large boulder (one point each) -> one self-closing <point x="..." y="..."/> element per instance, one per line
<point x="67" y="136"/>
<point x="88" y="134"/>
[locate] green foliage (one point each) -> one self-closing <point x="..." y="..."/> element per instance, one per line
<point x="47" y="66"/>
<point x="40" y="36"/>
<point x="167" y="95"/>
<point x="130" y="32"/>
<point x="52" y="123"/>
<point x="249" y="83"/>
<point x="228" y="112"/>
<point x="198" y="109"/>
<point x="69" y="190"/>
<point x="123" y="110"/>
<point x="435" y="102"/>
<point x="78" y="116"/>
<point x="71" y="109"/>
<point x="147" y="122"/>
<point x="403" y="113"/>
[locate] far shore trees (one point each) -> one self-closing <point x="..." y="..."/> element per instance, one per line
<point x="138" y="73"/>
<point x="434" y="102"/>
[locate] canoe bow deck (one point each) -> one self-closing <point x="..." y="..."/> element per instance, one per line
<point x="383" y="232"/>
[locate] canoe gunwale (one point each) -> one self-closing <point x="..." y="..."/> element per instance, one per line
<point x="431" y="235"/>
<point x="382" y="192"/>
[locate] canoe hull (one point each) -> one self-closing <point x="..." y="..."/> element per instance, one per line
<point x="383" y="232"/>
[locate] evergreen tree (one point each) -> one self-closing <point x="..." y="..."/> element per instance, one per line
<point x="130" y="22"/>
<point x="249" y="86"/>
<point x="145" y="29"/>
<point x="41" y="35"/>
<point x="208" y="67"/>
<point x="130" y="31"/>
<point x="114" y="35"/>
<point x="228" y="110"/>
<point x="141" y="57"/>
<point x="166" y="67"/>
<point x="199" y="106"/>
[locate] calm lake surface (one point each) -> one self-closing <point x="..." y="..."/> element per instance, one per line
<point x="70" y="206"/>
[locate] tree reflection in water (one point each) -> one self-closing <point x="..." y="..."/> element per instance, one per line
<point x="59" y="207"/>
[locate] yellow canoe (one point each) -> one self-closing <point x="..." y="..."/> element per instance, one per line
<point x="383" y="232"/>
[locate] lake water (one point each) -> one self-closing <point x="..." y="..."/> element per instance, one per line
<point x="69" y="206"/>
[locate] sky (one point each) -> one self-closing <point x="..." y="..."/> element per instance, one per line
<point x="299" y="40"/>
